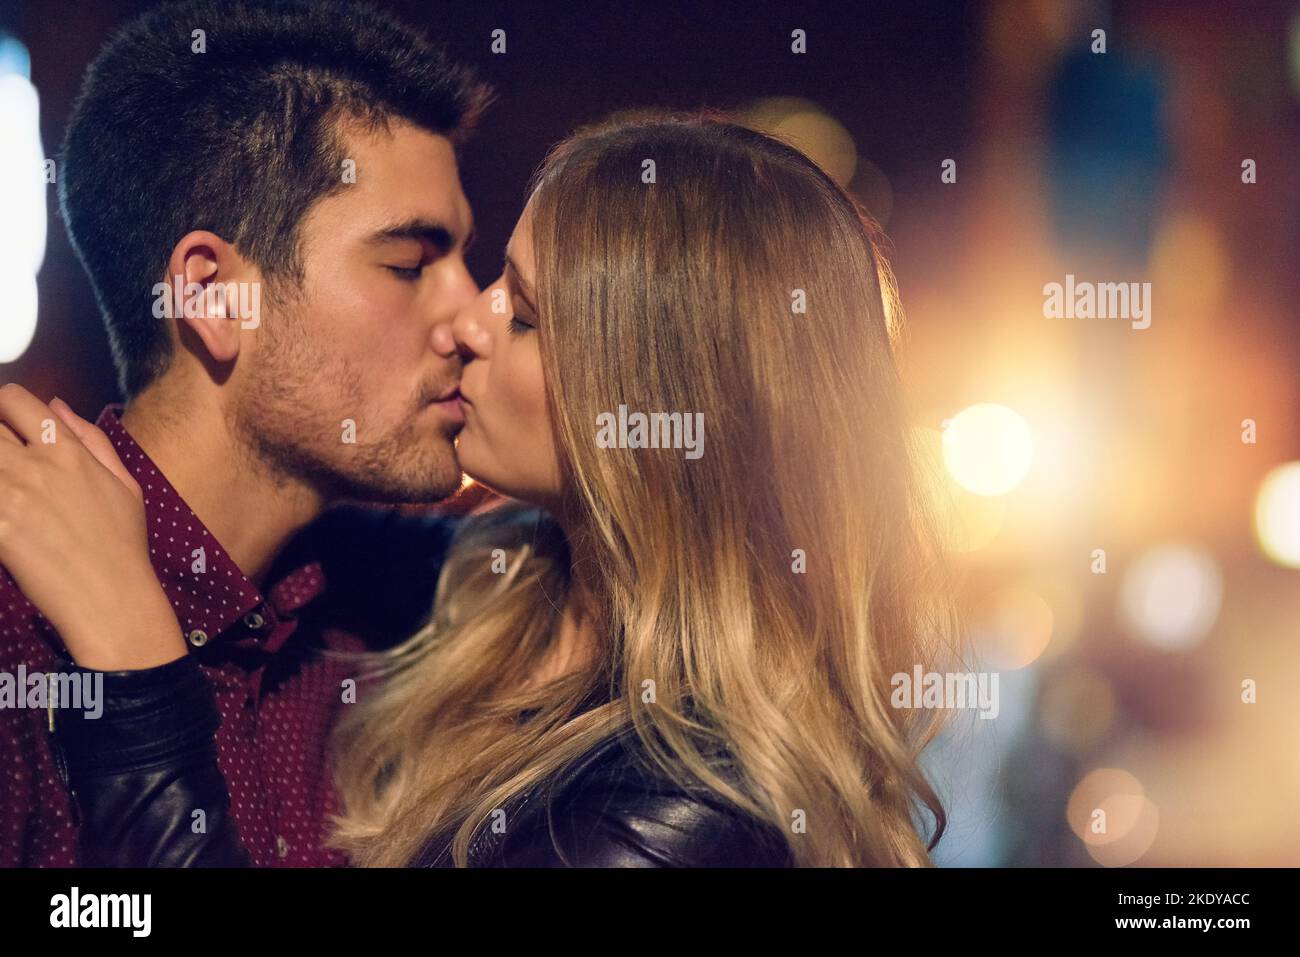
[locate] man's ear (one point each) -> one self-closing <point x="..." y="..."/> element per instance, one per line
<point x="204" y="275"/>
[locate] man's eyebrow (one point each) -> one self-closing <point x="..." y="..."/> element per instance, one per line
<point x="524" y="289"/>
<point x="427" y="230"/>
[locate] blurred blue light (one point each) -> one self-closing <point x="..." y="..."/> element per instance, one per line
<point x="14" y="57"/>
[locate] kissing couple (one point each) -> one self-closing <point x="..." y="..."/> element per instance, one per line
<point x="632" y="657"/>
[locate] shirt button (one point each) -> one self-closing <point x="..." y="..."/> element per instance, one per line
<point x="254" y="621"/>
<point x="198" y="638"/>
<point x="281" y="847"/>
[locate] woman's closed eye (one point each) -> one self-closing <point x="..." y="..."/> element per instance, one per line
<point x="520" y="323"/>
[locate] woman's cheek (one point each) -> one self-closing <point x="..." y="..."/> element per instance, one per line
<point x="547" y="456"/>
<point x="522" y="376"/>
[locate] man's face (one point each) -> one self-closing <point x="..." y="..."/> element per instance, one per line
<point x="343" y="384"/>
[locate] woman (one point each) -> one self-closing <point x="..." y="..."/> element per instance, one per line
<point x="682" y="654"/>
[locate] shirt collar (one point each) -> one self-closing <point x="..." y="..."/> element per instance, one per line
<point x="208" y="591"/>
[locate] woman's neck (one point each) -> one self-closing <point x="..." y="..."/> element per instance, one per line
<point x="573" y="647"/>
<point x="577" y="637"/>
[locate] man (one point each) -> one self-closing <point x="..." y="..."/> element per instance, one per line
<point x="267" y="200"/>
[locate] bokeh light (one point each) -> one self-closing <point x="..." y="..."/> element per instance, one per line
<point x="1170" y="596"/>
<point x="1277" y="515"/>
<point x="1141" y="820"/>
<point x="1093" y="790"/>
<point x="1109" y="811"/>
<point x="22" y="199"/>
<point x="988" y="449"/>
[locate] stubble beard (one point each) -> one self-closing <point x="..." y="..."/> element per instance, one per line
<point x="290" y="422"/>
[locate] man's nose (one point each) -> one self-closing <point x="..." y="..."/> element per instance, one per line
<point x="464" y="290"/>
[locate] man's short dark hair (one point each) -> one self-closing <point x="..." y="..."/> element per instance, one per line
<point x="240" y="140"/>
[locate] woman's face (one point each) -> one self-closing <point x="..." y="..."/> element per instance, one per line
<point x="506" y="442"/>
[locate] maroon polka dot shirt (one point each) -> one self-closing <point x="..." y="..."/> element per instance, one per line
<point x="272" y="739"/>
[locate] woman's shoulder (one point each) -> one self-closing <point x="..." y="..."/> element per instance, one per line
<point x="612" y="808"/>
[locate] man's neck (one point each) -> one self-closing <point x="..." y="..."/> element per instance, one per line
<point x="248" y="510"/>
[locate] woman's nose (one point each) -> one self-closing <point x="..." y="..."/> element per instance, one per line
<point x="470" y="333"/>
<point x="461" y="295"/>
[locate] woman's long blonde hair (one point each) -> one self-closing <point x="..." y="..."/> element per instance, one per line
<point x="757" y="598"/>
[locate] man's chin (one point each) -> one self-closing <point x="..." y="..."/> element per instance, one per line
<point x="381" y="481"/>
<point x="382" y="494"/>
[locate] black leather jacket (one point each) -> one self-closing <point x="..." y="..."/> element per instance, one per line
<point x="148" y="793"/>
<point x="146" y="788"/>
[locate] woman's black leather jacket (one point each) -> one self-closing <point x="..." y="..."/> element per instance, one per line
<point x="148" y="793"/>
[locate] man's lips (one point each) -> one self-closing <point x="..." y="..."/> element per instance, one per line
<point x="450" y="405"/>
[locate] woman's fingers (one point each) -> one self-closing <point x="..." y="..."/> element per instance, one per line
<point x="29" y="424"/>
<point x="22" y="412"/>
<point x="97" y="443"/>
<point x="12" y="451"/>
